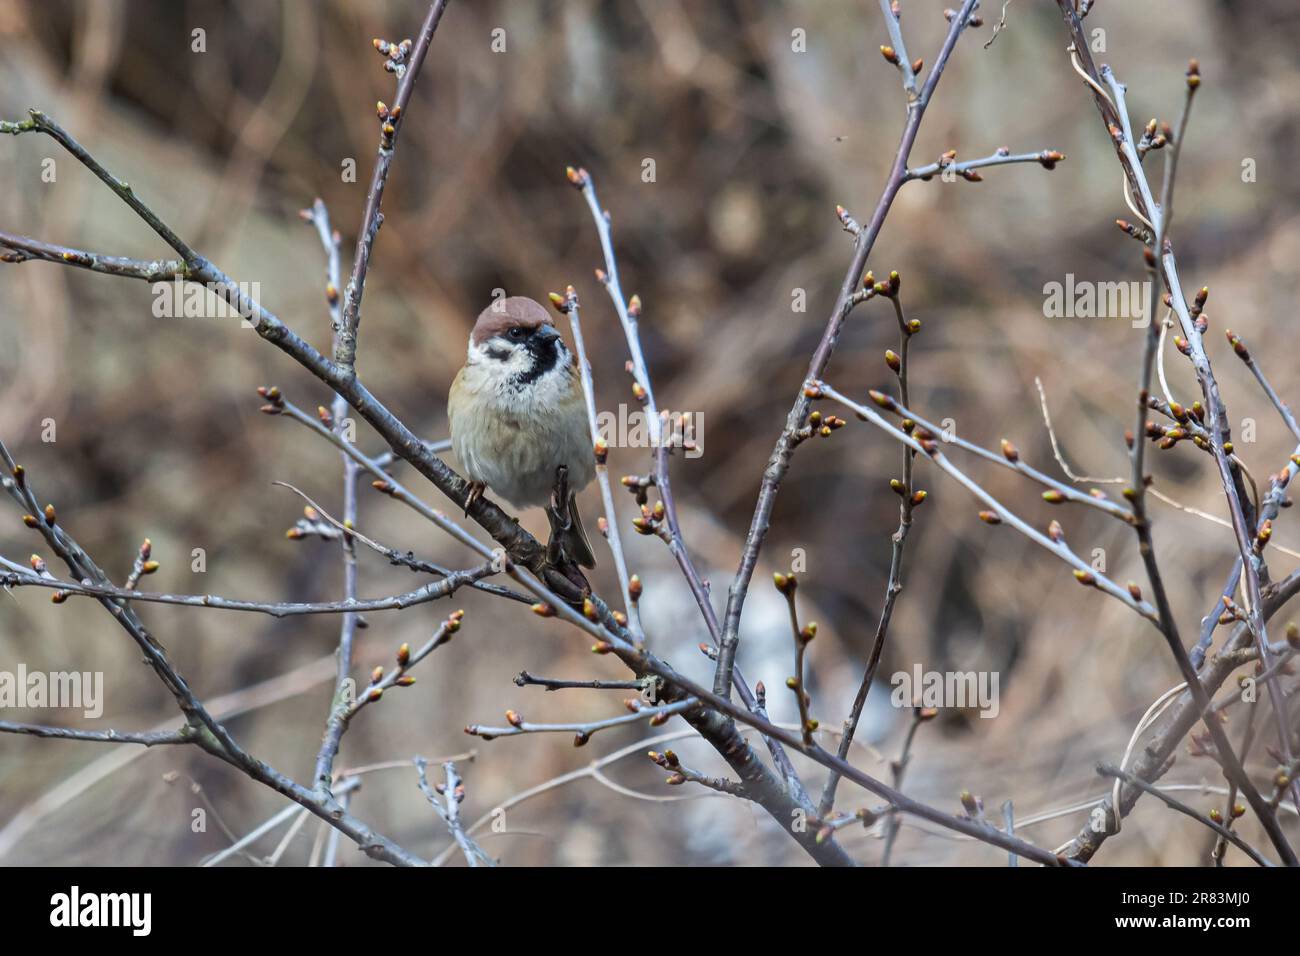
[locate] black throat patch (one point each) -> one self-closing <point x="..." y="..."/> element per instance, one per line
<point x="545" y="354"/>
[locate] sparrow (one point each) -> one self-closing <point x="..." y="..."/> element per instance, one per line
<point x="517" y="414"/>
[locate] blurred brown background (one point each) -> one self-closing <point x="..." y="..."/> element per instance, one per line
<point x="753" y="144"/>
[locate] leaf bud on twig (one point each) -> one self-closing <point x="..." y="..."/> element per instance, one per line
<point x="1238" y="345"/>
<point x="883" y="400"/>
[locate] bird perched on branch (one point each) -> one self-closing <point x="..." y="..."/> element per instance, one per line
<point x="518" y="418"/>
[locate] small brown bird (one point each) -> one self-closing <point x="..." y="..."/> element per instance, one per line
<point x="517" y="414"/>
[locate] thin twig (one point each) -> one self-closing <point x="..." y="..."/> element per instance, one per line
<point x="582" y="730"/>
<point x="405" y="60"/>
<point x="1108" y="770"/>
<point x="601" y="450"/>
<point x="1047" y="158"/>
<point x="779" y="461"/>
<point x="1057" y="546"/>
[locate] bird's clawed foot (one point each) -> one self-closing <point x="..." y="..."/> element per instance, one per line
<point x="475" y="493"/>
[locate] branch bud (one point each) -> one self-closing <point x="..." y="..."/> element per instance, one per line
<point x="1238" y="345"/>
<point x="883" y="400"/>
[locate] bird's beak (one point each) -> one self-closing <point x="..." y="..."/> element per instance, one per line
<point x="547" y="332"/>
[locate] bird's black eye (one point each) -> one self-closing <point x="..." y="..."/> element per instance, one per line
<point x="517" y="333"/>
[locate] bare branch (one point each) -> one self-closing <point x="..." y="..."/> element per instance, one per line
<point x="15" y="248"/>
<point x="421" y="595"/>
<point x="1108" y="770"/>
<point x="1047" y="158"/>
<point x="405" y="60"/>
<point x="453" y="793"/>
<point x="779" y="462"/>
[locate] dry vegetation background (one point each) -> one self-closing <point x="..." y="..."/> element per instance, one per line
<point x="159" y="433"/>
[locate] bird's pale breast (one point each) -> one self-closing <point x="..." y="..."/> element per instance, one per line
<point x="513" y="441"/>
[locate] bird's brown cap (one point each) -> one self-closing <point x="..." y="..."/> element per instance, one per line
<point x="505" y="314"/>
